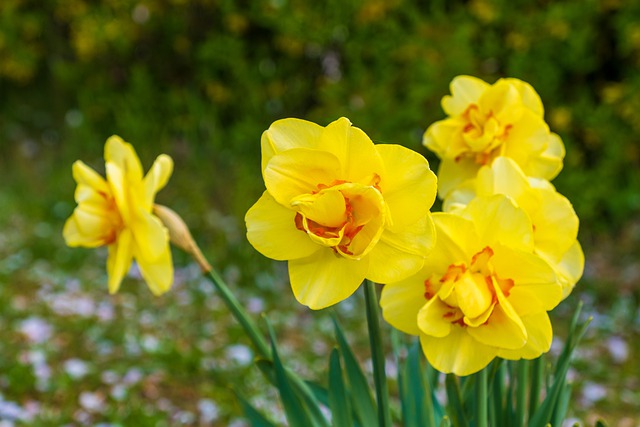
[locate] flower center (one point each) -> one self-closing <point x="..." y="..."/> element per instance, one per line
<point x="483" y="134"/>
<point x="112" y="217"/>
<point x="347" y="217"/>
<point x="470" y="292"/>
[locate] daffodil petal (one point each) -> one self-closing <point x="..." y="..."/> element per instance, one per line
<point x="271" y="230"/>
<point x="408" y="185"/>
<point x="398" y="255"/>
<point x="84" y="175"/>
<point x="453" y="173"/>
<point x="158" y="274"/>
<point x="549" y="164"/>
<point x="444" y="138"/>
<point x="432" y="318"/>
<point x="529" y="96"/>
<point x="74" y="237"/>
<point x="150" y="235"/>
<point x="324" y="278"/>
<point x="120" y="191"/>
<point x="499" y="220"/>
<point x="465" y="90"/>
<point x="503" y="329"/>
<point x="358" y="157"/>
<point x="299" y="171"/>
<point x="286" y="134"/>
<point x="539" y="337"/>
<point x="119" y="259"/>
<point x="401" y="302"/>
<point x="456" y="242"/>
<point x="157" y="177"/>
<point x="457" y="353"/>
<point x="123" y="155"/>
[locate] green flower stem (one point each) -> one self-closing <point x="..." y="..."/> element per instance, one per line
<point x="241" y="316"/>
<point x="521" y="392"/>
<point x="377" y="355"/>
<point x="481" y="398"/>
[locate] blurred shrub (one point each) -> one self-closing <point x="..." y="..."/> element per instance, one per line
<point x="202" y="79"/>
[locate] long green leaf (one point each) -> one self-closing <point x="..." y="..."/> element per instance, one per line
<point x="312" y="394"/>
<point x="295" y="411"/>
<point x="454" y="398"/>
<point x="255" y="418"/>
<point x="361" y="396"/>
<point x="420" y="388"/>
<point x="338" y="402"/>
<point x="543" y="414"/>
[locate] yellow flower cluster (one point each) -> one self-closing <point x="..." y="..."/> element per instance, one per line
<point x="506" y="248"/>
<point x="474" y="282"/>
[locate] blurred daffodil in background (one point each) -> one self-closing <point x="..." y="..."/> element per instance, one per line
<point x="340" y="209"/>
<point x="486" y="121"/>
<point x="117" y="212"/>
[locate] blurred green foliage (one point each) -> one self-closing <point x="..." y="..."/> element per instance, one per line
<point x="202" y="79"/>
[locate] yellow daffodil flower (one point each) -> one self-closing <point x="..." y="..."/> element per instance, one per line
<point x="482" y="293"/>
<point x="117" y="213"/>
<point x="554" y="221"/>
<point x="340" y="209"/>
<point x="486" y="121"/>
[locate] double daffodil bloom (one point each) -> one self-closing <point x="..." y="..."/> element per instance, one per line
<point x="482" y="293"/>
<point x="340" y="209"/>
<point x="554" y="221"/>
<point x="486" y="121"/>
<point x="117" y="213"/>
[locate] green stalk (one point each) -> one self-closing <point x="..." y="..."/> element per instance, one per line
<point x="241" y="316"/>
<point x="481" y="398"/>
<point x="377" y="355"/>
<point x="521" y="391"/>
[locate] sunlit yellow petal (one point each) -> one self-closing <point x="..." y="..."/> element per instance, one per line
<point x="444" y="138"/>
<point x="465" y="90"/>
<point x="401" y="302"/>
<point x="271" y="230"/>
<point x="119" y="259"/>
<point x="539" y="336"/>
<point x="286" y="134"/>
<point x="327" y="208"/>
<point x="408" y="185"/>
<point x="549" y="164"/>
<point x="299" y="171"/>
<point x="503" y="329"/>
<point x="498" y="220"/>
<point x="452" y="173"/>
<point x="433" y="318"/>
<point x="457" y="353"/>
<point x="323" y="279"/>
<point x="529" y="96"/>
<point x="398" y="255"/>
<point x="358" y="157"/>
<point x="456" y="242"/>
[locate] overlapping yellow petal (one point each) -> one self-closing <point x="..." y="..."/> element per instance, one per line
<point x="323" y="279"/>
<point x="117" y="212"/>
<point x="340" y="209"/>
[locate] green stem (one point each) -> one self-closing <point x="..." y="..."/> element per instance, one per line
<point x="241" y="316"/>
<point x="377" y="355"/>
<point x="481" y="398"/>
<point x="521" y="391"/>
